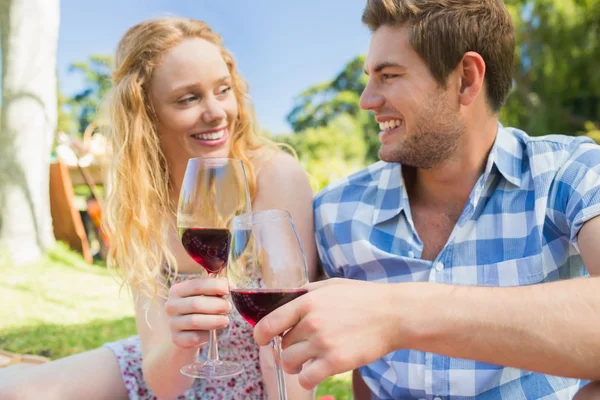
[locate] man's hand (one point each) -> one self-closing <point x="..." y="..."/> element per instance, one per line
<point x="340" y="325"/>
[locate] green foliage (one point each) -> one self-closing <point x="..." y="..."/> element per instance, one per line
<point x="557" y="89"/>
<point x="321" y="104"/>
<point x="330" y="152"/>
<point x="97" y="76"/>
<point x="66" y="120"/>
<point x="593" y="131"/>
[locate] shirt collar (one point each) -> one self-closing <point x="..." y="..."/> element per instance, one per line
<point x="392" y="198"/>
<point x="391" y="194"/>
<point x="507" y="156"/>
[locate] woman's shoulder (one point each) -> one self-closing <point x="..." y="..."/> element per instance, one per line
<point x="276" y="166"/>
<point x="281" y="182"/>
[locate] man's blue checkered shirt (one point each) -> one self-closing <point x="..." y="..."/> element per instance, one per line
<point x="519" y="227"/>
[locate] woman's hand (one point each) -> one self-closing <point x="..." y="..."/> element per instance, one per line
<point x="194" y="307"/>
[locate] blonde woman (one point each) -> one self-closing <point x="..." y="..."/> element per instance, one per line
<point x="177" y="94"/>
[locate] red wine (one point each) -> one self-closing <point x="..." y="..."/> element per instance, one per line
<point x="208" y="247"/>
<point x="254" y="304"/>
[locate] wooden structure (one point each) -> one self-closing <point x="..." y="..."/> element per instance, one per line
<point x="67" y="222"/>
<point x="7" y="359"/>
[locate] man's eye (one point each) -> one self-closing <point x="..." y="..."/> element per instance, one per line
<point x="386" y="77"/>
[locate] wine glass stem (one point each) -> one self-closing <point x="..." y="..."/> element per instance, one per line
<point x="280" y="374"/>
<point x="213" y="349"/>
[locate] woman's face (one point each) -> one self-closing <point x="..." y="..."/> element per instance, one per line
<point x="192" y="96"/>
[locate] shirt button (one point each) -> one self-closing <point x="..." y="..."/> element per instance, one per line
<point x="411" y="254"/>
<point x="438" y="267"/>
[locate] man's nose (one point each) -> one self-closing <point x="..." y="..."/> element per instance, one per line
<point x="369" y="99"/>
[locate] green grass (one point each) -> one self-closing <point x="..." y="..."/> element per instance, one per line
<point x="60" y="290"/>
<point x="339" y="386"/>
<point x="56" y="341"/>
<point x="62" y="306"/>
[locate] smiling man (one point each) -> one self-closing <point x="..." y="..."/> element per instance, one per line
<point x="466" y="252"/>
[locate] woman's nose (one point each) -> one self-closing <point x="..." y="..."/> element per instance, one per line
<point x="213" y="112"/>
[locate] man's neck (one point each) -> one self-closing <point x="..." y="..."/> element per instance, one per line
<point x="448" y="185"/>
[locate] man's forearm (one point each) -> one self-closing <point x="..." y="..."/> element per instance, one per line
<point x="549" y="328"/>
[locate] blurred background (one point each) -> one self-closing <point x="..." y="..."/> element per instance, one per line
<point x="304" y="63"/>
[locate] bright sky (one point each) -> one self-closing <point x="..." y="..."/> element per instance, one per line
<point x="282" y="47"/>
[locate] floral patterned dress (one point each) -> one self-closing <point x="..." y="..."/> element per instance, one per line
<point x="235" y="344"/>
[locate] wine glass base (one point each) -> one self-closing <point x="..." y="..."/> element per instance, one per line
<point x="212" y="370"/>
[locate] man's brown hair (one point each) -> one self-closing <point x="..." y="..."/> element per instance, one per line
<point x="442" y="31"/>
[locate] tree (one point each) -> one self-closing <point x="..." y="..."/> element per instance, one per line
<point x="556" y="86"/>
<point x="322" y="103"/>
<point x="84" y="105"/>
<point x="330" y="152"/>
<point x="66" y="120"/>
<point x="29" y="31"/>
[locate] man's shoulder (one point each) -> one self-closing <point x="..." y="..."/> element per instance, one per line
<point x="555" y="152"/>
<point x="360" y="181"/>
<point x="550" y="143"/>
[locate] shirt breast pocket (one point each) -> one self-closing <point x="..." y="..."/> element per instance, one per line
<point x="517" y="272"/>
<point x="376" y="265"/>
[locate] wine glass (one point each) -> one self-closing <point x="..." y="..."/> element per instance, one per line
<point x="213" y="192"/>
<point x="266" y="269"/>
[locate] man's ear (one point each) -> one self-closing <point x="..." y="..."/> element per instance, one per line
<point x="471" y="70"/>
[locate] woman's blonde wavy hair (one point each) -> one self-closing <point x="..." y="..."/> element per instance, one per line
<point x="139" y="205"/>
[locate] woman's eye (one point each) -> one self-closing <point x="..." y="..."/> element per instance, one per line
<point x="224" y="89"/>
<point x="186" y="100"/>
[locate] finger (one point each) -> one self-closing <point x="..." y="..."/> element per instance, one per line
<point x="294" y="357"/>
<point x="306" y="328"/>
<point x="197" y="305"/>
<point x="198" y="322"/>
<point x="268" y="356"/>
<point x="189" y="339"/>
<point x="314" y="373"/>
<point x="200" y="286"/>
<point x="278" y="321"/>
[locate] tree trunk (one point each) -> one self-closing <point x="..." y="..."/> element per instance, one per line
<point x="29" y="117"/>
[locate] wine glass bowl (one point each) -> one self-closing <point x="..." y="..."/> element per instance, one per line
<point x="266" y="268"/>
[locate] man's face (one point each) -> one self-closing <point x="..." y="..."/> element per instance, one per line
<point x="420" y="121"/>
